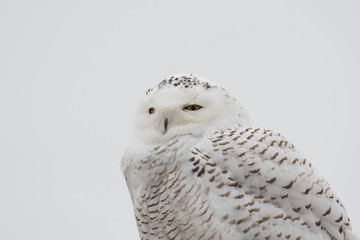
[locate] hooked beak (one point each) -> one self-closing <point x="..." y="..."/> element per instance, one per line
<point x="166" y="123"/>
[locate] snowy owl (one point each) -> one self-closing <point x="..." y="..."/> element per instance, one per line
<point x="197" y="170"/>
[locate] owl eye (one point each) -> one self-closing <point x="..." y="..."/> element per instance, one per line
<point x="151" y="110"/>
<point x="193" y="107"/>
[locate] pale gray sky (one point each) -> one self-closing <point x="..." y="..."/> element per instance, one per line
<point x="72" y="73"/>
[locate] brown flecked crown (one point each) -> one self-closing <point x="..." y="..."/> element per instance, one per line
<point x="181" y="81"/>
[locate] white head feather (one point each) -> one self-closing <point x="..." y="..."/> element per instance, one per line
<point x="169" y="118"/>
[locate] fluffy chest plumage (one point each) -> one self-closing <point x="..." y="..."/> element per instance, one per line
<point x="253" y="186"/>
<point x="169" y="201"/>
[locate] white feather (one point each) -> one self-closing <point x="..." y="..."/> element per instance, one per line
<point x="205" y="174"/>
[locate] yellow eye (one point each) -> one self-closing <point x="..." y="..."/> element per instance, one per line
<point x="151" y="110"/>
<point x="193" y="107"/>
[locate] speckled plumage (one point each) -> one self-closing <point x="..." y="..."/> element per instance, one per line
<point x="221" y="179"/>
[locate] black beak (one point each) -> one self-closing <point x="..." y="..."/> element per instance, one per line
<point x="166" y="122"/>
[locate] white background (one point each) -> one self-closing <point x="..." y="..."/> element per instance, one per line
<point x="72" y="73"/>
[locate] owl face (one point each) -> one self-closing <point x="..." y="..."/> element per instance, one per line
<point x="171" y="110"/>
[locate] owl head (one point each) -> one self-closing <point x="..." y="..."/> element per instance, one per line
<point x="186" y="104"/>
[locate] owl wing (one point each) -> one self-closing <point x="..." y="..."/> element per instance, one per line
<point x="272" y="171"/>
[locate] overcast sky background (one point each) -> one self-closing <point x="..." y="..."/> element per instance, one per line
<point x="72" y="73"/>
